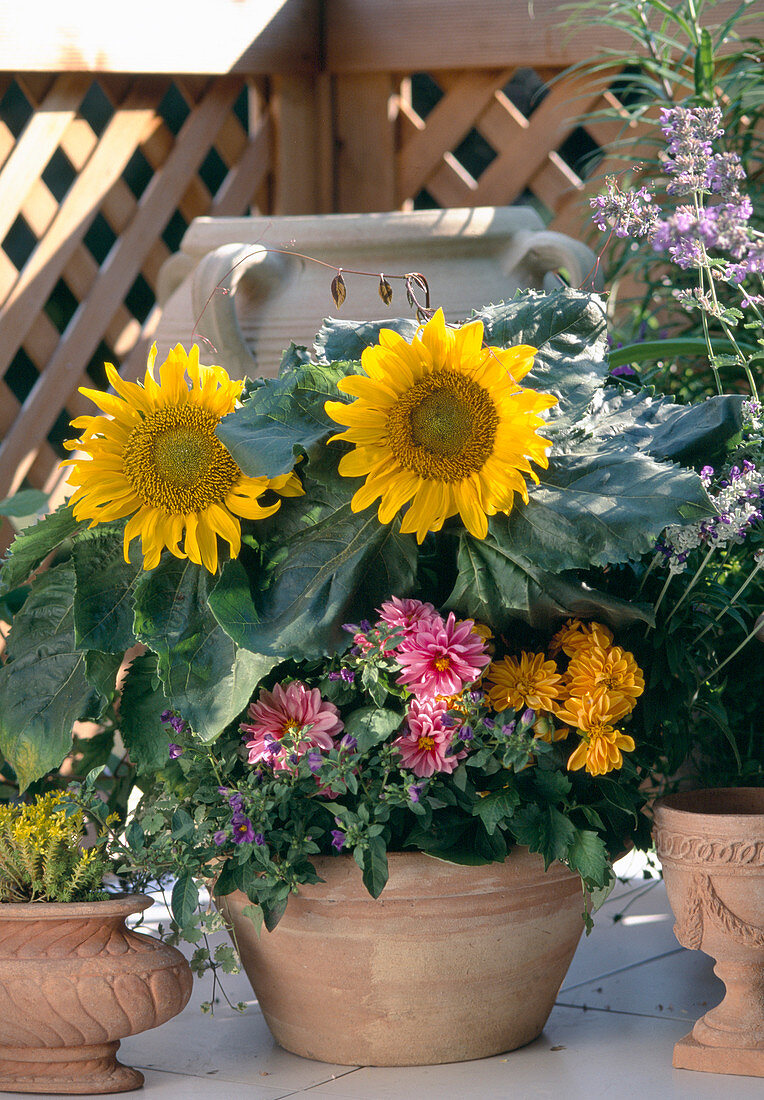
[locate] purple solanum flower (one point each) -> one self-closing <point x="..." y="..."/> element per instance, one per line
<point x="243" y="831"/>
<point x="338" y="839"/>
<point x="174" y="751"/>
<point x="219" y="837"/>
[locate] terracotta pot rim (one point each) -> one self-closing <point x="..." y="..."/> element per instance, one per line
<point x="118" y="905"/>
<point x="723" y="804"/>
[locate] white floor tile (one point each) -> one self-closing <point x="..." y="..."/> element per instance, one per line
<point x="579" y="1056"/>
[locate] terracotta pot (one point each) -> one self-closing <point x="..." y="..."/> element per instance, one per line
<point x="451" y="963"/>
<point x="73" y="982"/>
<point x="711" y="846"/>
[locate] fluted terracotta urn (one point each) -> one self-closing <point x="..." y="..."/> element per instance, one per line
<point x="450" y="963"/>
<point x="711" y="847"/>
<point x="73" y="982"/>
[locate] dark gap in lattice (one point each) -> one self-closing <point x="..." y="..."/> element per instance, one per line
<point x="424" y="201"/>
<point x="627" y="87"/>
<point x="140" y="299"/>
<point x="241" y="108"/>
<point x="475" y="153"/>
<point x="60" y="430"/>
<point x="137" y="173"/>
<point x="425" y="93"/>
<point x="99" y="238"/>
<point x="15" y="109"/>
<point x="527" y="198"/>
<point x="21" y="375"/>
<point x="173" y="109"/>
<point x="96" y="109"/>
<point x="172" y="234"/>
<point x="526" y="90"/>
<point x="59" y="175"/>
<point x="96" y="371"/>
<point x="580" y="152"/>
<point x="213" y="171"/>
<point x="19" y="243"/>
<point x="61" y="305"/>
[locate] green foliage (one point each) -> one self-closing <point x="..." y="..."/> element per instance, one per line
<point x="679" y="54"/>
<point x="41" y="853"/>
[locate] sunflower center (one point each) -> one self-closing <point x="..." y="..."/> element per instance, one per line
<point x="444" y="427"/>
<point x="174" y="460"/>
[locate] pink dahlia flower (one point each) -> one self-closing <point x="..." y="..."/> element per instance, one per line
<point x="404" y="615"/>
<point x="441" y="658"/>
<point x="286" y="723"/>
<point x="425" y="745"/>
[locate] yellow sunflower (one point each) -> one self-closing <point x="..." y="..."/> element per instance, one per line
<point x="441" y="424"/>
<point x="530" y="681"/>
<point x="601" y="745"/>
<point x="155" y="457"/>
<point x="610" y="673"/>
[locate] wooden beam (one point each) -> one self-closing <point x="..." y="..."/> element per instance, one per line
<point x="413" y="35"/>
<point x="227" y="36"/>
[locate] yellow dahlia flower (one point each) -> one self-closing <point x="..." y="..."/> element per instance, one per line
<point x="611" y="674"/>
<point x="574" y="636"/>
<point x="600" y="748"/>
<point x="155" y="457"/>
<point x="530" y="681"/>
<point x="441" y="424"/>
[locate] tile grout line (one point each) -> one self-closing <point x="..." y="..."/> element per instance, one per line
<point x="622" y="969"/>
<point x="625" y="1012"/>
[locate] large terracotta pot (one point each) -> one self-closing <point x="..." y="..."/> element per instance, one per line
<point x="711" y="846"/>
<point x="73" y="982"/>
<point x="450" y="963"/>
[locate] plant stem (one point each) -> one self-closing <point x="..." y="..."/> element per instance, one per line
<point x="691" y="585"/>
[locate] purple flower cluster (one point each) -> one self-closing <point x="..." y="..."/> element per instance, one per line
<point x="626" y="213"/>
<point x="739" y="498"/>
<point x="699" y="229"/>
<point x="180" y="728"/>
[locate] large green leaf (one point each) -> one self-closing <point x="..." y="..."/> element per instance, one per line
<point x="24" y="503"/>
<point x="600" y="503"/>
<point x="209" y="679"/>
<point x="693" y="435"/>
<point x="143" y="701"/>
<point x="34" y="544"/>
<point x="103" y="605"/>
<point x="569" y="329"/>
<point x="326" y="565"/>
<point x="43" y="687"/>
<point x="345" y="340"/>
<point x="284" y="417"/>
<point x="169" y="602"/>
<point x="495" y="588"/>
<point x="205" y="676"/>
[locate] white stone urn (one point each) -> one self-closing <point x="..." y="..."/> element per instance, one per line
<point x="239" y="289"/>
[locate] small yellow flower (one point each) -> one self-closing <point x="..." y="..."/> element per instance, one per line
<point x="532" y="681"/>
<point x="156" y="458"/>
<point x="544" y="729"/>
<point x="611" y="674"/>
<point x="575" y="635"/>
<point x="600" y="749"/>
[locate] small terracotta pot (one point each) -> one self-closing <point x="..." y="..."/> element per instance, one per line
<point x="451" y="963"/>
<point x="73" y="982"/>
<point x="711" y="846"/>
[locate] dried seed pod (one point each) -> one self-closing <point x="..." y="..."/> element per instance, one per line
<point x="385" y="290"/>
<point x="339" y="290"/>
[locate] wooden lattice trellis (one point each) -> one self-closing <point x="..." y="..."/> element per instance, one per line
<point x="526" y="161"/>
<point x="57" y="229"/>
